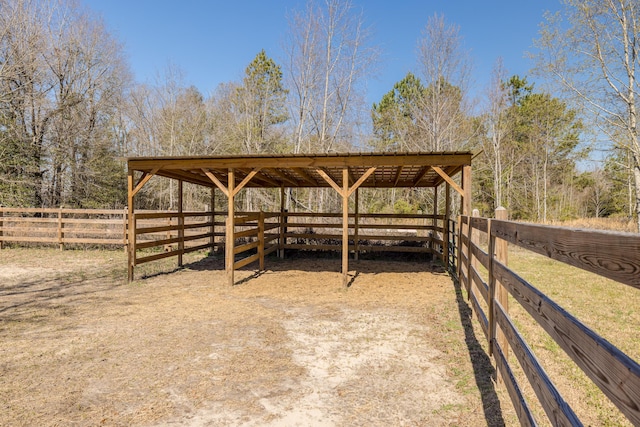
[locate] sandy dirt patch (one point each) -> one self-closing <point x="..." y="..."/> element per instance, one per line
<point x="286" y="347"/>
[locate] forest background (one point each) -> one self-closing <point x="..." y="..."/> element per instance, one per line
<point x="71" y="112"/>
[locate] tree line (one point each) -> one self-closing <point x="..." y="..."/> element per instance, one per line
<point x="70" y="113"/>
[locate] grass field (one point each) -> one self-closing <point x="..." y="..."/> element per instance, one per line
<point x="605" y="306"/>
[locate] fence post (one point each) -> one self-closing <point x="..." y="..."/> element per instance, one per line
<point x="60" y="230"/>
<point x="501" y="293"/>
<point x="1" y="228"/>
<point x="261" y="239"/>
<point x="125" y="240"/>
<point x="471" y="262"/>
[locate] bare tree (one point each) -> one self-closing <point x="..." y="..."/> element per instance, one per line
<point x="329" y="55"/>
<point x="590" y="49"/>
<point x="497" y="124"/>
<point x="445" y="67"/>
<point x="62" y="77"/>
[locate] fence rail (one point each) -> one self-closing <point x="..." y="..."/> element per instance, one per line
<point x="487" y="279"/>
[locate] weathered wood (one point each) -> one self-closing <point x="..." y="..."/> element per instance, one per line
<point x="615" y="373"/>
<point x="480" y="284"/>
<point x="246" y="233"/>
<point x="500" y="293"/>
<point x="517" y="399"/>
<point x="479" y="255"/>
<point x="478" y="222"/>
<point x="609" y="254"/>
<point x="480" y="314"/>
<point x="556" y="408"/>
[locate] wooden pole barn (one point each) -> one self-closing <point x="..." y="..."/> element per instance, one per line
<point x="345" y="173"/>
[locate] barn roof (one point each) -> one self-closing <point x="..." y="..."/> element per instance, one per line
<point x="416" y="169"/>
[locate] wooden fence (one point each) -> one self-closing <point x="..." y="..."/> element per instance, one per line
<point x="612" y="255"/>
<point x="63" y="226"/>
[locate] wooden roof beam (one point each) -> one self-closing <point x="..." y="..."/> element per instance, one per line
<point x="146" y="176"/>
<point x="420" y="175"/>
<point x="305" y="176"/>
<point x="398" y="173"/>
<point x="447" y="178"/>
<point x="284" y="177"/>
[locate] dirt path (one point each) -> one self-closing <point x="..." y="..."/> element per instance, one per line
<point x="287" y="347"/>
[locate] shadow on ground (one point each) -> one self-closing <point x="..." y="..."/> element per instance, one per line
<point x="483" y="369"/>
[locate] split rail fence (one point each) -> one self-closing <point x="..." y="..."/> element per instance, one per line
<point x="612" y="255"/>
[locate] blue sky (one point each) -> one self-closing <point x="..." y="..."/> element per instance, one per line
<point x="213" y="41"/>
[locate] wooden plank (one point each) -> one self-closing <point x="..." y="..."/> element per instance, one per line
<point x="270" y="249"/>
<point x="330" y="181"/>
<point x="155" y="257"/>
<point x="480" y="314"/>
<point x="480" y="255"/>
<point x="345" y="225"/>
<point x="30" y="239"/>
<point x="243" y="248"/>
<point x="609" y="254"/>
<point x="143" y="180"/>
<point x="244" y="182"/>
<point x="615" y="373"/>
<point x="480" y="223"/>
<point x="556" y="408"/>
<point x="517" y="399"/>
<point x="216" y="181"/>
<point x="480" y="284"/>
<point x="448" y="179"/>
<point x="230" y="228"/>
<point x="246" y="233"/>
<point x="359" y="182"/>
<point x="246" y="261"/>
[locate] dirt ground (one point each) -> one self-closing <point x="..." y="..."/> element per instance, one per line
<point x="287" y="347"/>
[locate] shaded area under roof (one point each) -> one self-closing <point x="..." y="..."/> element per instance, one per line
<point x="417" y="169"/>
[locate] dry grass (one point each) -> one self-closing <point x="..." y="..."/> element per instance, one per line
<point x="607" y="307"/>
<point x="612" y="224"/>
<point x="287" y="347"/>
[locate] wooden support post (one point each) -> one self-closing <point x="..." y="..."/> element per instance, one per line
<point x="501" y="293"/>
<point x="345" y="226"/>
<point x="447" y="222"/>
<point x="60" y="230"/>
<point x="125" y="219"/>
<point x="466" y="187"/>
<point x="281" y="240"/>
<point x="180" y="223"/>
<point x="434" y="222"/>
<point x="230" y="228"/>
<point x="131" y="241"/>
<point x="261" y="239"/>
<point x="212" y="227"/>
<point x="356" y="234"/>
<point x="474" y="239"/>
